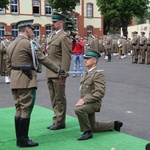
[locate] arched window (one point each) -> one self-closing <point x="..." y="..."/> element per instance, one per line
<point x="89" y="31"/>
<point x="2" y="30"/>
<point x="14" y="6"/>
<point x="48" y="30"/>
<point x="48" y="9"/>
<point x="36" y="31"/>
<point x="89" y="10"/>
<point x="14" y="31"/>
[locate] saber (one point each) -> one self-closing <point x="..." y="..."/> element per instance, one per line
<point x="72" y="72"/>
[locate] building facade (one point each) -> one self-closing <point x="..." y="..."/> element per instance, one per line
<point x="86" y="16"/>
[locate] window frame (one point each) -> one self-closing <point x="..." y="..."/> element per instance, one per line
<point x="2" y="31"/>
<point x="48" y="7"/>
<point x="89" y="11"/>
<point x="13" y="5"/>
<point x="89" y="32"/>
<point x="39" y="6"/>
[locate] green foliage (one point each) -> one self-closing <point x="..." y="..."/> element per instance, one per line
<point x="122" y="11"/>
<point x="4" y="4"/>
<point x="63" y="5"/>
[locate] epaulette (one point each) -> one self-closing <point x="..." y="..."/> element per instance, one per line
<point x="99" y="70"/>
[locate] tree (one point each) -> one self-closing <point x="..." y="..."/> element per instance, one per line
<point x="63" y="5"/>
<point x="123" y="11"/>
<point x="4" y="4"/>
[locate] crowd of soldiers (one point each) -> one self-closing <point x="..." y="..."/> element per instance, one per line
<point x="138" y="47"/>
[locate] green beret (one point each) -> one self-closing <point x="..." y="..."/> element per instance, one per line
<point x="142" y="32"/>
<point x="58" y="16"/>
<point x="91" y="53"/>
<point x="135" y="32"/>
<point x="25" y="23"/>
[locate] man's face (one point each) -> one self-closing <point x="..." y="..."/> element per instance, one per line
<point x="57" y="25"/>
<point x="90" y="62"/>
<point x="30" y="32"/>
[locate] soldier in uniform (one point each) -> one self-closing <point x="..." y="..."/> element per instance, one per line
<point x="148" y="51"/>
<point x="92" y="89"/>
<point x="135" y="45"/>
<point x="59" y="51"/>
<point x="22" y="62"/>
<point x="143" y="47"/>
<point x="4" y="44"/>
<point x="108" y="45"/>
<point x="94" y="43"/>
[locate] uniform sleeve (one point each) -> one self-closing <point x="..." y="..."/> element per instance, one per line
<point x="47" y="62"/>
<point x="66" y="53"/>
<point x="98" y="91"/>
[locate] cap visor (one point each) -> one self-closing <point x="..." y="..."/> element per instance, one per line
<point x="85" y="56"/>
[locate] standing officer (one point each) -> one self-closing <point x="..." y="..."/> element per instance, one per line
<point x="143" y="47"/>
<point x="92" y="89"/>
<point x="22" y="63"/>
<point x="108" y="45"/>
<point x="135" y="46"/>
<point x="94" y="43"/>
<point x="148" y="51"/>
<point x="4" y="44"/>
<point x="59" y="51"/>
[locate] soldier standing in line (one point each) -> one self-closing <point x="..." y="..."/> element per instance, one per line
<point x="101" y="46"/>
<point x="92" y="89"/>
<point x="59" y="51"/>
<point x="143" y="47"/>
<point x="148" y="51"/>
<point x="108" y="46"/>
<point x="129" y="46"/>
<point x="22" y="63"/>
<point x="4" y="44"/>
<point x="124" y="47"/>
<point x="114" y="46"/>
<point x="135" y="44"/>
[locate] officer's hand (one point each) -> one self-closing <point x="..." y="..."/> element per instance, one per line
<point x="62" y="72"/>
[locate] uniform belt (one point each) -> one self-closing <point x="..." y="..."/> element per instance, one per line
<point x="19" y="68"/>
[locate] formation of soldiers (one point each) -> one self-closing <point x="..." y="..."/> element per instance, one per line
<point x="138" y="47"/>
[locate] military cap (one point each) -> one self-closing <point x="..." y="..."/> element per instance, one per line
<point x="58" y="16"/>
<point x="91" y="53"/>
<point x="142" y="32"/>
<point x="7" y="34"/>
<point x="135" y="32"/>
<point x="25" y="23"/>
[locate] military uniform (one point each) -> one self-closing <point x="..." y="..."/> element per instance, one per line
<point x="92" y="89"/>
<point x="94" y="43"/>
<point x="59" y="51"/>
<point x="108" y="46"/>
<point x="4" y="44"/>
<point x="148" y="50"/>
<point x="135" y="45"/>
<point x="22" y="71"/>
<point x="143" y="47"/>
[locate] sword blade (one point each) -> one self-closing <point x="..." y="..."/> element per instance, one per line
<point x="72" y="72"/>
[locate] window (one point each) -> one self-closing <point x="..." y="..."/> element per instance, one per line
<point x="14" y="6"/>
<point x="36" y="31"/>
<point x="48" y="30"/>
<point x="2" y="30"/>
<point x="48" y="9"/>
<point x="36" y="7"/>
<point x="89" y="31"/>
<point x="2" y="10"/>
<point x="89" y="10"/>
<point x="14" y="31"/>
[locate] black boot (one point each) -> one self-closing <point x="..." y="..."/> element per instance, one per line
<point x="109" y="58"/>
<point x="24" y="140"/>
<point x="118" y="125"/>
<point x="17" y="123"/>
<point x="136" y="61"/>
<point x="143" y="61"/>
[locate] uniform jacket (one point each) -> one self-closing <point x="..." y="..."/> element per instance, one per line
<point x="21" y="55"/>
<point x="108" y="43"/>
<point x="135" y="42"/>
<point x="94" y="43"/>
<point x="143" y="42"/>
<point x="92" y="88"/>
<point x="59" y="51"/>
